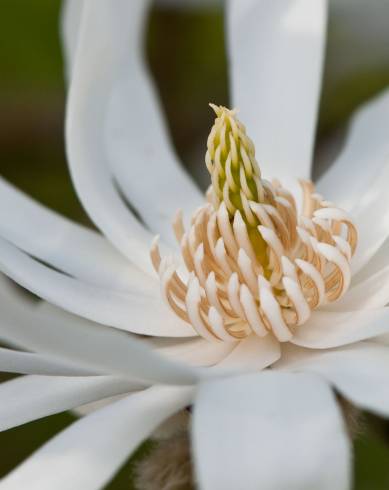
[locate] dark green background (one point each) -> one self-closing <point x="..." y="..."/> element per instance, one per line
<point x="189" y="73"/>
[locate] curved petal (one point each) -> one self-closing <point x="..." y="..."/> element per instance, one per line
<point x="378" y="262"/>
<point x="366" y="150"/>
<point x="365" y="194"/>
<point x="100" y="48"/>
<point x="12" y="361"/>
<point x="88" y="408"/>
<point x="371" y="216"/>
<point x="139" y="311"/>
<point x="196" y="352"/>
<point x="251" y="354"/>
<point x="328" y="329"/>
<point x="88" y="453"/>
<point x="276" y="54"/>
<point x="188" y="4"/>
<point x="360" y="372"/>
<point x="141" y="156"/>
<point x="32" y="397"/>
<point x="70" y="25"/>
<point x="139" y="150"/>
<point x="270" y="431"/>
<point x="62" y="243"/>
<point x="88" y="345"/>
<point x="382" y="339"/>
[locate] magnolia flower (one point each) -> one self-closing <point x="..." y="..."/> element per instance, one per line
<point x="261" y="314"/>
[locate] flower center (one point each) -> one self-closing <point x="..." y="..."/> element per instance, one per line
<point x="252" y="263"/>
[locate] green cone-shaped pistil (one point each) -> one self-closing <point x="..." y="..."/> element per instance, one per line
<point x="236" y="178"/>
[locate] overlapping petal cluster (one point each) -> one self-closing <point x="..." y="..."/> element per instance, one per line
<point x="256" y="259"/>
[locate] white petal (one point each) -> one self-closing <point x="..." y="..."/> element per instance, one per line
<point x="139" y="150"/>
<point x="62" y="243"/>
<point x="141" y="156"/>
<point x="179" y="4"/>
<point x="31" y="397"/>
<point x="251" y="354"/>
<point x="100" y="49"/>
<point x="12" y="361"/>
<point x="327" y="329"/>
<point x="378" y="262"/>
<point x="88" y="345"/>
<point x="70" y="24"/>
<point x="371" y="217"/>
<point x="276" y="52"/>
<point x="139" y="311"/>
<point x="270" y="431"/>
<point x="88" y="453"/>
<point x="197" y="351"/>
<point x="359" y="372"/>
<point x="382" y="339"/>
<point x="366" y="151"/>
<point x="93" y="406"/>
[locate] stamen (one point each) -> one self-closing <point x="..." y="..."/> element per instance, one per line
<point x="253" y="264"/>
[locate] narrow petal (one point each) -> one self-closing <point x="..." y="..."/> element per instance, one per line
<point x="276" y="55"/>
<point x="197" y="351"/>
<point x="359" y="372"/>
<point x="364" y="190"/>
<point x="140" y="153"/>
<point x="70" y="25"/>
<point x="372" y="233"/>
<point x="270" y="431"/>
<point x="65" y="245"/>
<point x="189" y="4"/>
<point x="328" y="329"/>
<point x="88" y="345"/>
<point x="100" y="49"/>
<point x="100" y="60"/>
<point x="139" y="311"/>
<point x="12" y="361"/>
<point x="88" y="408"/>
<point x="251" y="354"/>
<point x="32" y="397"/>
<point x="139" y="149"/>
<point x="88" y="453"/>
<point x="365" y="152"/>
<point x="378" y="262"/>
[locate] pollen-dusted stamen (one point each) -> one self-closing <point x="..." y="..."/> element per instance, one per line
<point x="253" y="264"/>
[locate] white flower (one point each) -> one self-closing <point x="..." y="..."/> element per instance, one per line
<point x="252" y="427"/>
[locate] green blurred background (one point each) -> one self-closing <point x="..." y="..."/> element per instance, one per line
<point x="189" y="73"/>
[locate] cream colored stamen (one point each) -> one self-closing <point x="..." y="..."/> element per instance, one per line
<point x="253" y="264"/>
